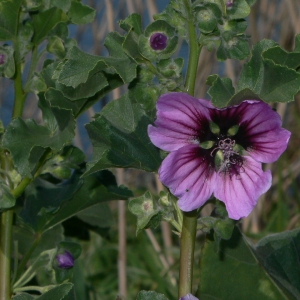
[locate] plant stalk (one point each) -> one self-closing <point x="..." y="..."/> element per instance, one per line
<point x="189" y="223"/>
<point x="5" y="238"/>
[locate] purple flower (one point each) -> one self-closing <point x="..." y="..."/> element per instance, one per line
<point x="229" y="3"/>
<point x="2" y="58"/>
<point x="158" y="41"/>
<point x="189" y="297"/>
<point x="217" y="151"/>
<point x="65" y="260"/>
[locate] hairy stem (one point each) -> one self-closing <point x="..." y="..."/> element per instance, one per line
<point x="194" y="53"/>
<point x="187" y="246"/>
<point x="5" y="238"/>
<point x="189" y="224"/>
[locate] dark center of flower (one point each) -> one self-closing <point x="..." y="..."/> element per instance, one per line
<point x="158" y="41"/>
<point x="223" y="150"/>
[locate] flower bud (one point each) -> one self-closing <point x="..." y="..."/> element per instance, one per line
<point x="2" y="58"/>
<point x="229" y="3"/>
<point x="158" y="41"/>
<point x="65" y="260"/>
<point x="189" y="297"/>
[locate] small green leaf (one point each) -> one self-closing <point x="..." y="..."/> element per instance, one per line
<point x="9" y="19"/>
<point x="150" y="295"/>
<point x="45" y="21"/>
<point x="119" y="137"/>
<point x="23" y="296"/>
<point x="132" y="23"/>
<point x="239" y="10"/>
<point x="8" y="68"/>
<point x="221" y="90"/>
<point x="81" y="14"/>
<point x="7" y="200"/>
<point x="64" y="291"/>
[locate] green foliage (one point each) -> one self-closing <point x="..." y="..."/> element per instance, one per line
<point x="9" y="19"/>
<point x="257" y="80"/>
<point x="47" y="204"/>
<point x="27" y="141"/>
<point x="8" y="68"/>
<point x="246" y="280"/>
<point x="279" y="255"/>
<point x="150" y="295"/>
<point x="119" y="137"/>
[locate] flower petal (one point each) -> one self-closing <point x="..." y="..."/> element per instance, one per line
<point x="240" y="194"/>
<point x="179" y="117"/>
<point x="260" y="131"/>
<point x="189" y="175"/>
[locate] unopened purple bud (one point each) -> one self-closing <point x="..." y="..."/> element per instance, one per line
<point x="2" y="58"/>
<point x="189" y="297"/>
<point x="158" y="41"/>
<point x="229" y="4"/>
<point x="65" y="260"/>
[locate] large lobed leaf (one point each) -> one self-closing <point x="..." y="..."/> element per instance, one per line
<point x="234" y="273"/>
<point x="27" y="141"/>
<point x="119" y="137"/>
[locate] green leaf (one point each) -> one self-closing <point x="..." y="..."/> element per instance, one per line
<point x="119" y="137"/>
<point x="7" y="200"/>
<point x="150" y="295"/>
<point x="239" y="10"/>
<point x="26" y="238"/>
<point x="24" y="136"/>
<point x="123" y="65"/>
<point x="99" y="215"/>
<point x="234" y="46"/>
<point x="77" y="67"/>
<point x="176" y="15"/>
<point x="48" y="205"/>
<point x="8" y="68"/>
<point x="23" y="296"/>
<point x="279" y="255"/>
<point x="45" y="21"/>
<point x="282" y="57"/>
<point x="258" y="76"/>
<point x="81" y="14"/>
<point x="236" y="273"/>
<point x="64" y="291"/>
<point x="146" y="210"/>
<point x="221" y="90"/>
<point x="9" y="20"/>
<point x="57" y="99"/>
<point x="132" y="23"/>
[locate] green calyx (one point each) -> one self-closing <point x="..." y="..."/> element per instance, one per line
<point x="145" y="48"/>
<point x="214" y="128"/>
<point x="233" y="130"/>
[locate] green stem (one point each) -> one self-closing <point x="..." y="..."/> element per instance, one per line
<point x="27" y="256"/>
<point x="189" y="223"/>
<point x="18" y="87"/>
<point x="5" y="238"/>
<point x="194" y="52"/>
<point x="187" y="246"/>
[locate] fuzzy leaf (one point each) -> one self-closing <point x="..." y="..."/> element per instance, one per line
<point x="119" y="137"/>
<point x="221" y="90"/>
<point x="22" y="137"/>
<point x="45" y="21"/>
<point x="271" y="82"/>
<point x="81" y="14"/>
<point x="247" y="280"/>
<point x="279" y="255"/>
<point x="9" y="19"/>
<point x="150" y="295"/>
